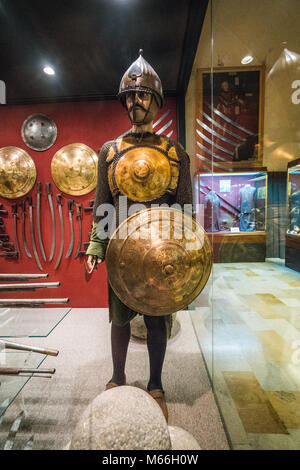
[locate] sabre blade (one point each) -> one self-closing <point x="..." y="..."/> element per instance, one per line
<point x="70" y="203"/>
<point x="38" y="198"/>
<point x="216" y="134"/>
<point x="23" y="205"/>
<point x="52" y="220"/>
<point x="213" y="143"/>
<point x="211" y="153"/>
<point x="14" y="208"/>
<point x="227" y="119"/>
<point x="224" y="129"/>
<point x="29" y="198"/>
<point x="79" y="215"/>
<point x="59" y="199"/>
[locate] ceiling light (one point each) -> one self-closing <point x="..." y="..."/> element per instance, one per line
<point x="49" y="70"/>
<point x="247" y="59"/>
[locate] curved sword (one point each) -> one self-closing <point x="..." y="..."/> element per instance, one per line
<point x="216" y="134"/>
<point x="23" y="205"/>
<point x="79" y="217"/>
<point x="216" y="124"/>
<point x="213" y="143"/>
<point x="227" y="119"/>
<point x="49" y="194"/>
<point x="211" y="153"/>
<point x="29" y="199"/>
<point x="38" y="220"/>
<point x="14" y="209"/>
<point x="70" y="204"/>
<point x="59" y="205"/>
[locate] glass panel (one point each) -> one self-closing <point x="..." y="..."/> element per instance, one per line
<point x="32" y="322"/>
<point x="10" y="386"/>
<point x="255" y="298"/>
<point x="242" y="115"/>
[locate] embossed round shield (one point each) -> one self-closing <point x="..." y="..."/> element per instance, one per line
<point x="74" y="169"/>
<point x="17" y="172"/>
<point x="39" y="132"/>
<point x="143" y="174"/>
<point x="158" y="261"/>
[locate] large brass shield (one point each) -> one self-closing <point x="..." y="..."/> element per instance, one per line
<point x="17" y="172"/>
<point x="158" y="261"/>
<point x="144" y="173"/>
<point x="74" y="169"/>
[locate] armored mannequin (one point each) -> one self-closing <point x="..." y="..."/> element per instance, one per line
<point x="212" y="212"/>
<point x="247" y="217"/>
<point x="145" y="168"/>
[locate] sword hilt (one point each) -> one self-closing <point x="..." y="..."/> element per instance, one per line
<point x="4" y="237"/>
<point x="14" y="208"/>
<point x="79" y="210"/>
<point x="70" y="204"/>
<point x="9" y="245"/>
<point x="10" y="254"/>
<point x="3" y="212"/>
<point x="92" y="202"/>
<point x="29" y="199"/>
<point x="1" y="221"/>
<point x="88" y="209"/>
<point x="39" y="187"/>
<point x="22" y="204"/>
<point x="59" y="199"/>
<point x="48" y="188"/>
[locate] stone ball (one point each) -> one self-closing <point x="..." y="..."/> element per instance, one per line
<point x="139" y="330"/>
<point x="122" y="418"/>
<point x="182" y="440"/>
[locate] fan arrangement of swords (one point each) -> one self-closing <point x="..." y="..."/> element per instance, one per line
<point x="74" y="172"/>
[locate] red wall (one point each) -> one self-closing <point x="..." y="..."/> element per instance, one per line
<point x="91" y="123"/>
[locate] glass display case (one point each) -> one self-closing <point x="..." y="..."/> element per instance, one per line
<point x="23" y="323"/>
<point x="292" y="239"/>
<point x="232" y="202"/>
<point x="293" y="226"/>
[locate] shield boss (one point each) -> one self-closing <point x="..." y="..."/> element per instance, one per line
<point x="17" y="172"/>
<point x="144" y="174"/>
<point x="39" y="132"/>
<point x="74" y="169"/>
<point x="158" y="261"/>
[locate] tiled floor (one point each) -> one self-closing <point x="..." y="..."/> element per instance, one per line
<point x="248" y="324"/>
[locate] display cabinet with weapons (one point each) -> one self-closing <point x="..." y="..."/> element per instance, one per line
<point x="24" y="317"/>
<point x="292" y="239"/>
<point x="232" y="206"/>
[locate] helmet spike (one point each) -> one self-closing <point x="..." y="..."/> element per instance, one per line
<point x="141" y="52"/>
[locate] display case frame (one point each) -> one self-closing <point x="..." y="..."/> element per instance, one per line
<point x="234" y="246"/>
<point x="292" y="240"/>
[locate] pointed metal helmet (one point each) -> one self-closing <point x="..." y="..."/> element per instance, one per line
<point x="141" y="77"/>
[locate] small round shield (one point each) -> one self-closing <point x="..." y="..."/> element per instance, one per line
<point x="17" y="172"/>
<point x="74" y="169"/>
<point x="39" y="132"/>
<point x="158" y="261"/>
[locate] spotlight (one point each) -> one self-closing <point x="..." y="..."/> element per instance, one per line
<point x="247" y="59"/>
<point x="49" y="70"/>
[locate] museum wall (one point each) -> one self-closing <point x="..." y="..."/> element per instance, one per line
<point x="91" y="123"/>
<point x="269" y="31"/>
